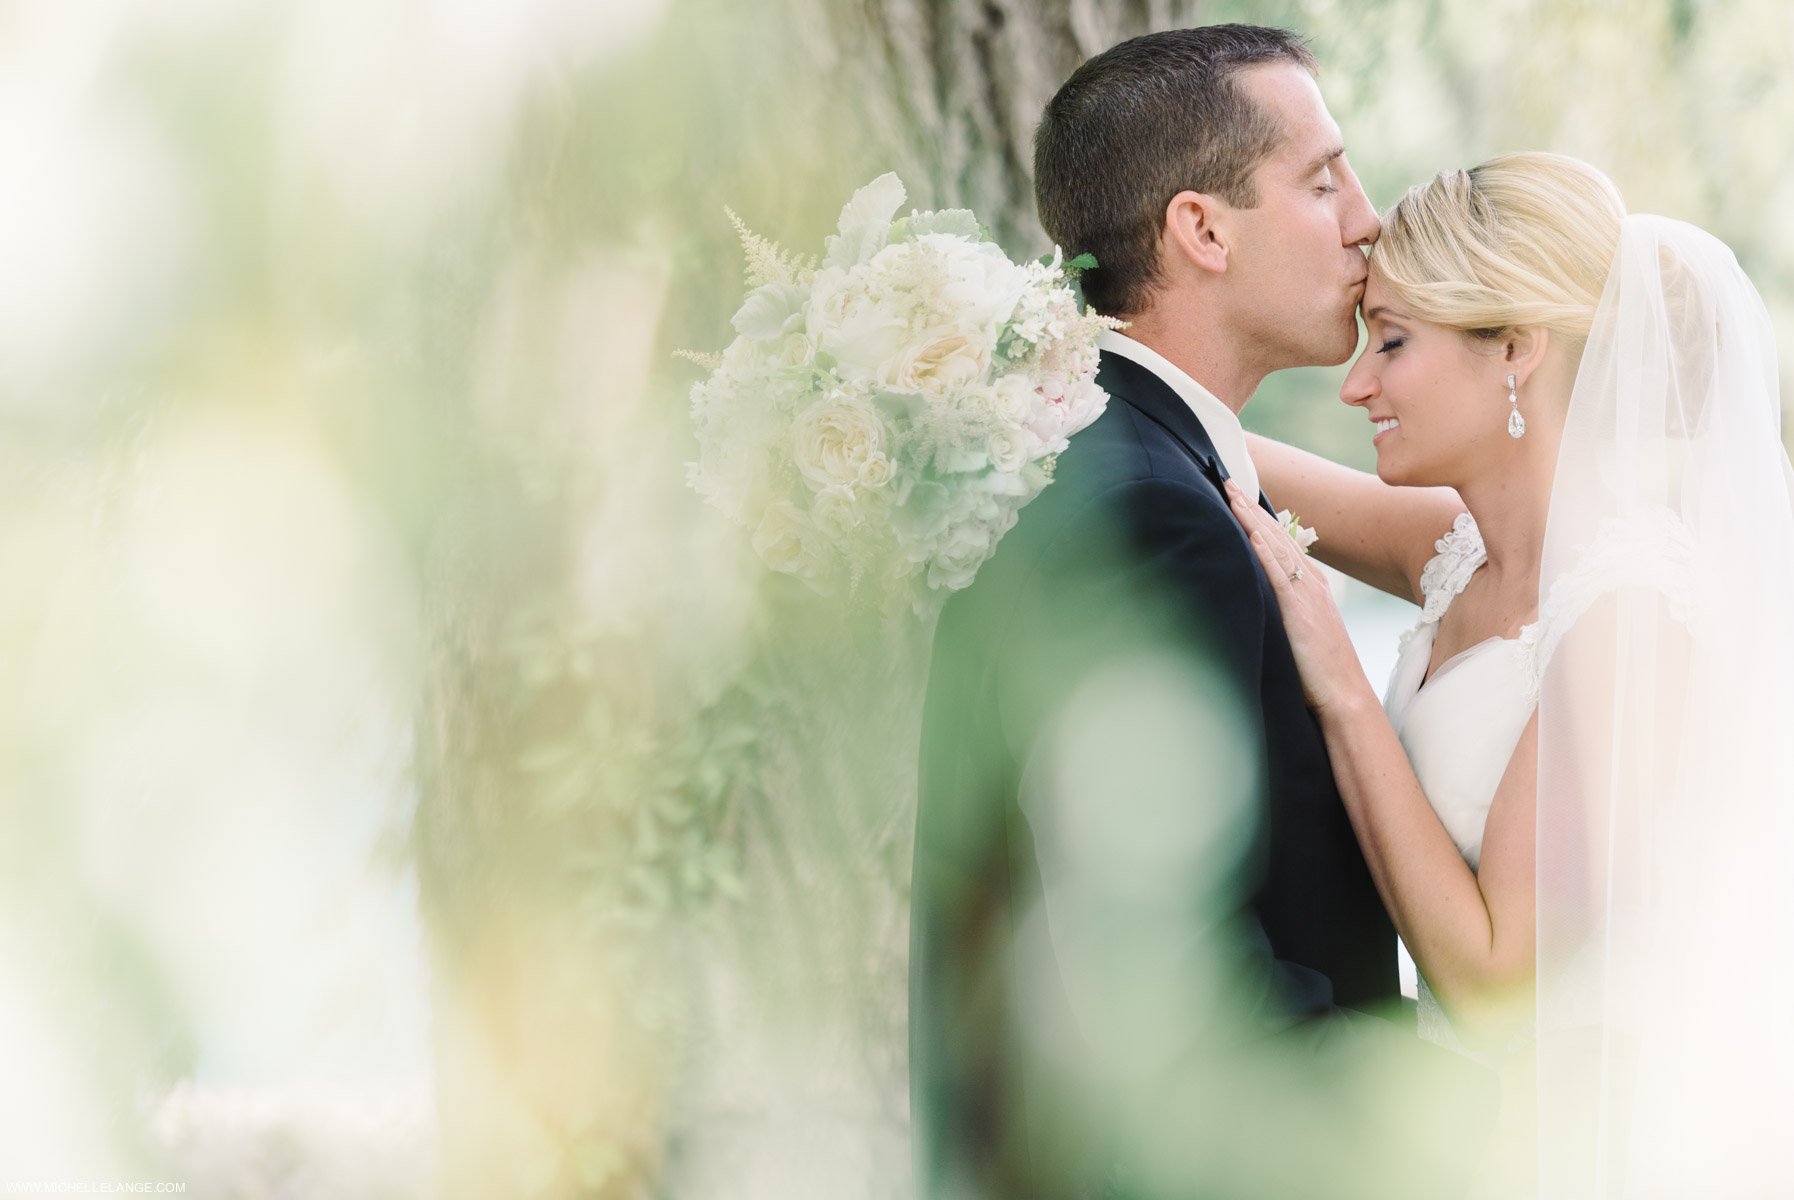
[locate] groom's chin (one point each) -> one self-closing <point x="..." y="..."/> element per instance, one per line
<point x="1338" y="348"/>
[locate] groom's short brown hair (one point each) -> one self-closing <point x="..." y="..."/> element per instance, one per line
<point x="1139" y="123"/>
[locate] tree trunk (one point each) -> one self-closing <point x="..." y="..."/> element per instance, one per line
<point x="955" y="88"/>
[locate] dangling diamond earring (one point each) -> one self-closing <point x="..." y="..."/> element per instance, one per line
<point x="1516" y="424"/>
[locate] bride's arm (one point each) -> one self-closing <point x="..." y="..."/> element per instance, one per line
<point x="1374" y="532"/>
<point x="1472" y="933"/>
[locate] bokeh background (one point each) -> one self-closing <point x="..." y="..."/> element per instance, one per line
<point x="407" y="788"/>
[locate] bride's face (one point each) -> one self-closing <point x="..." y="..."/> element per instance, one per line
<point x="1437" y="400"/>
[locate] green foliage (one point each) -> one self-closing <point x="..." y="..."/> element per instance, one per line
<point x="641" y="804"/>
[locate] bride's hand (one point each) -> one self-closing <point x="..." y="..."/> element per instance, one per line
<point x="1331" y="673"/>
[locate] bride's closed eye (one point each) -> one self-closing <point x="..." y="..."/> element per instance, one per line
<point x="1393" y="343"/>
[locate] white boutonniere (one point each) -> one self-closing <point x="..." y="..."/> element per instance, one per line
<point x="1299" y="533"/>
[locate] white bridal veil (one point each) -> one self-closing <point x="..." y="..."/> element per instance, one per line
<point x="1666" y="744"/>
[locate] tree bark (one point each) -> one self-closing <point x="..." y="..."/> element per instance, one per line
<point x="956" y="87"/>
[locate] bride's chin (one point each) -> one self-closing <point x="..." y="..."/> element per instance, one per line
<point x="1394" y="475"/>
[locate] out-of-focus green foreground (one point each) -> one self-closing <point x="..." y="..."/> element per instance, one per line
<point x="406" y="786"/>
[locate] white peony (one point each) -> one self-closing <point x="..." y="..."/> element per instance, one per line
<point x="981" y="286"/>
<point x="846" y="320"/>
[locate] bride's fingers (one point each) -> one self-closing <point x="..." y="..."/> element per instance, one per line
<point x="1250" y="516"/>
<point x="1283" y="551"/>
<point x="1283" y="562"/>
<point x="1277" y="553"/>
<point x="1275" y="569"/>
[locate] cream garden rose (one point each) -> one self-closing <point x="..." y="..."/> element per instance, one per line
<point x="839" y="440"/>
<point x="939" y="364"/>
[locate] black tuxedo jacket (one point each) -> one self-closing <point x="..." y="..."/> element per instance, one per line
<point x="1122" y="789"/>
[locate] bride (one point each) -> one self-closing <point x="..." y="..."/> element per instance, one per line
<point x="1576" y="797"/>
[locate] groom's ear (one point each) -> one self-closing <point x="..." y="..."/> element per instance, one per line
<point x="1194" y="231"/>
<point x="1523" y="349"/>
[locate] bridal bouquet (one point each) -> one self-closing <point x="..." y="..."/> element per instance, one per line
<point x="884" y="414"/>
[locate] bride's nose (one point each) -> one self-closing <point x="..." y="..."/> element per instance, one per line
<point x="1360" y="385"/>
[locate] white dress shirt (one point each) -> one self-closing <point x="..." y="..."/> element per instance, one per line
<point x="1221" y="423"/>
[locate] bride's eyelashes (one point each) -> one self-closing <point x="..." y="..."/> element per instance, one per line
<point x="1393" y="343"/>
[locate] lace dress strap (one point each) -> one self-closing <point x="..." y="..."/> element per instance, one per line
<point x="1459" y="553"/>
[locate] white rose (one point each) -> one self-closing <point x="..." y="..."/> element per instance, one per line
<point x="1009" y="449"/>
<point x="1013" y="398"/>
<point x="959" y="556"/>
<point x="836" y="439"/>
<point x="742" y="359"/>
<point x="796" y="350"/>
<point x="835" y="512"/>
<point x="877" y="471"/>
<point x="788" y="543"/>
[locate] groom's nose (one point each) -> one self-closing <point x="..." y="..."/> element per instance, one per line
<point x="1358" y="223"/>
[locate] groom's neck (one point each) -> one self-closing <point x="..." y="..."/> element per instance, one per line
<point x="1201" y="350"/>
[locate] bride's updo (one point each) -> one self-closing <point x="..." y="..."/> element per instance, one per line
<point x="1523" y="239"/>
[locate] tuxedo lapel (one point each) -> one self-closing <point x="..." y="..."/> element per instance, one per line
<point x="1155" y="400"/>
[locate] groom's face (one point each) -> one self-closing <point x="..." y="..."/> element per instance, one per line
<point x="1299" y="251"/>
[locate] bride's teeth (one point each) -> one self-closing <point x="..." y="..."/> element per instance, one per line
<point x="1386" y="426"/>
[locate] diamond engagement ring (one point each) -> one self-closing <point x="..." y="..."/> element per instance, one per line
<point x="1296" y="574"/>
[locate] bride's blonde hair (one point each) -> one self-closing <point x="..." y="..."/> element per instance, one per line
<point x="1520" y="240"/>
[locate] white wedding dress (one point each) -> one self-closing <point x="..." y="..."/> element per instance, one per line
<point x="1461" y="724"/>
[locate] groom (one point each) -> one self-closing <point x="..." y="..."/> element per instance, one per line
<point x="1140" y="917"/>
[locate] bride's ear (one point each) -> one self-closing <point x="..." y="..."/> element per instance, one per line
<point x="1522" y="350"/>
<point x="1194" y="231"/>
